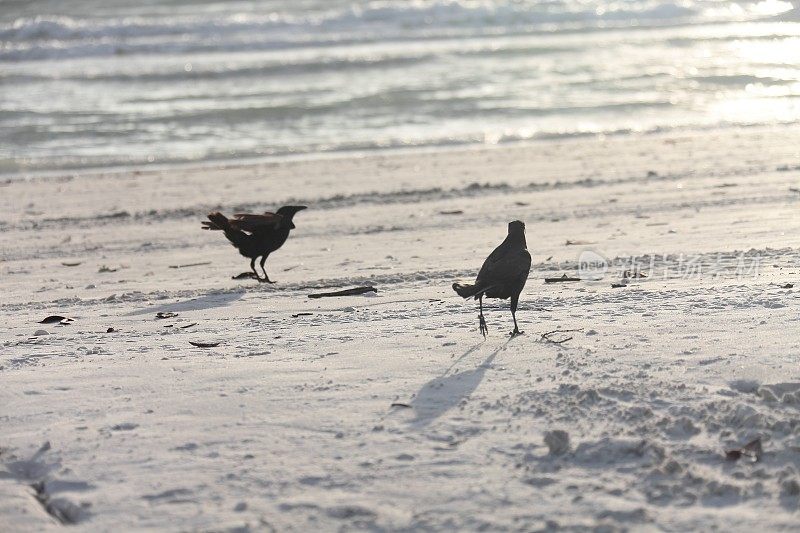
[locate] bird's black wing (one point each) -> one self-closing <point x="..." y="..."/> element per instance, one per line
<point x="256" y="223"/>
<point x="504" y="266"/>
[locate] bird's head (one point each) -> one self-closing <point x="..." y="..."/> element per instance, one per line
<point x="516" y="227"/>
<point x="516" y="232"/>
<point x="288" y="212"/>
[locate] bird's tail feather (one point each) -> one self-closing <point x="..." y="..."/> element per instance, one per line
<point x="207" y="224"/>
<point x="218" y="221"/>
<point x="467" y="291"/>
<point x="234" y="235"/>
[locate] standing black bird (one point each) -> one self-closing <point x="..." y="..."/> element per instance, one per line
<point x="502" y="275"/>
<point x="256" y="235"/>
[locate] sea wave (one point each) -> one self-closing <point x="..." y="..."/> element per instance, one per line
<point x="48" y="37"/>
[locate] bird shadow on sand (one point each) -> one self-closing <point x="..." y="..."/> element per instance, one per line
<point x="195" y="304"/>
<point x="444" y="392"/>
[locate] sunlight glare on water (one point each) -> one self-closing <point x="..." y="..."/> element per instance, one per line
<point x="93" y="82"/>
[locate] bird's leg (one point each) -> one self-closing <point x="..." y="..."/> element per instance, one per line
<point x="514" y="301"/>
<point x="516" y="328"/>
<point x="251" y="274"/>
<point x="253" y="268"/>
<point x="482" y="321"/>
<point x="266" y="277"/>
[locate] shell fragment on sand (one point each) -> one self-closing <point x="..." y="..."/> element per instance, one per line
<point x="753" y="451"/>
<point x="57" y="319"/>
<point x="564" y="278"/>
<point x="204" y="344"/>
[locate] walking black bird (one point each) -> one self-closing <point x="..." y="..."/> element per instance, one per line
<point x="503" y="274"/>
<point x="256" y="235"/>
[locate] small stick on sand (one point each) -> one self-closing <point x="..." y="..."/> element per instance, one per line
<point x="191" y="265"/>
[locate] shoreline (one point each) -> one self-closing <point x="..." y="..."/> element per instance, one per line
<point x="398" y="151"/>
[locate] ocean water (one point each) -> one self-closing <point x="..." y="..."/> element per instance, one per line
<point x="87" y="83"/>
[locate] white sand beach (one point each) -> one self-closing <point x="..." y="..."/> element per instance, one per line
<point x="289" y="423"/>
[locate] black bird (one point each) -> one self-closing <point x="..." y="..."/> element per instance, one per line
<point x="503" y="274"/>
<point x="256" y="235"/>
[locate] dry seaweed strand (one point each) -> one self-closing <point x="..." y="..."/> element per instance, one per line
<point x="546" y="336"/>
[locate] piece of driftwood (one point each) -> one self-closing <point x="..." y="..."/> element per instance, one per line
<point x="162" y="315"/>
<point x="578" y="243"/>
<point x="204" y="344"/>
<point x="189" y="325"/>
<point x="562" y="279"/>
<point x="298" y="315"/>
<point x="346" y="292"/>
<point x="191" y="265"/>
<point x="399" y="404"/>
<point x="453" y="212"/>
<point x="752" y="451"/>
<point x="71" y="264"/>
<point x="788" y="286"/>
<point x="56" y="319"/>
<point x="618" y="285"/>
